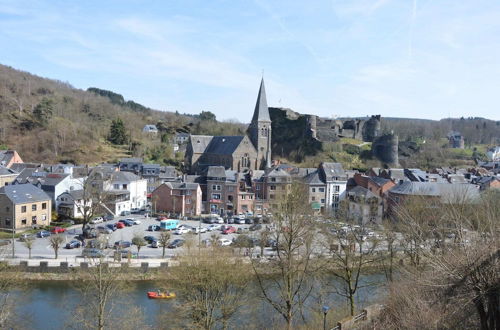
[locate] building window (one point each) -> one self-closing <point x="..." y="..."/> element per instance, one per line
<point x="250" y="197"/>
<point x="313" y="189"/>
<point x="44" y="217"/>
<point x="33" y="220"/>
<point x="322" y="200"/>
<point x="7" y="222"/>
<point x="23" y="209"/>
<point x="24" y="222"/>
<point x="116" y="186"/>
<point x="336" y="198"/>
<point x="257" y="187"/>
<point x="321" y="189"/>
<point x="336" y="188"/>
<point x="44" y="206"/>
<point x="216" y="196"/>
<point x="125" y="186"/>
<point x="271" y="196"/>
<point x="188" y="200"/>
<point x="273" y="179"/>
<point x="272" y="187"/>
<point x="7" y="209"/>
<point x="230" y="188"/>
<point x="216" y="187"/>
<point x="243" y="197"/>
<point x="33" y="207"/>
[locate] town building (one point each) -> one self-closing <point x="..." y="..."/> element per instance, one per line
<point x="364" y="207"/>
<point x="150" y="129"/>
<point x="181" y="198"/>
<point x="71" y="204"/>
<point x="23" y="206"/>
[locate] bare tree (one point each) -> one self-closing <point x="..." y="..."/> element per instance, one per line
<point x="100" y="285"/>
<point x="139" y="242"/>
<point x="163" y="241"/>
<point x="291" y="285"/>
<point x="350" y="255"/>
<point x="56" y="241"/>
<point x="28" y="243"/>
<point x="212" y="286"/>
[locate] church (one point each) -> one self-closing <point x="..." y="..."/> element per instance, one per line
<point x="238" y="153"/>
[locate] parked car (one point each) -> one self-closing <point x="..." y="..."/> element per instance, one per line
<point x="104" y="230"/>
<point x="97" y="220"/>
<point x="135" y="221"/>
<point x="4" y="242"/>
<point x="108" y="217"/>
<point x="126" y="222"/>
<point x="125" y="213"/>
<point x="43" y="233"/>
<point x="73" y="244"/>
<point x="241" y="230"/>
<point x="25" y="237"/>
<point x="97" y="244"/>
<point x="134" y="210"/>
<point x="225" y="242"/>
<point x="176" y="243"/>
<point x="198" y="230"/>
<point x="154" y="228"/>
<point x="58" y="230"/>
<point x="120" y="225"/>
<point x="149" y="239"/>
<point x="240" y="221"/>
<point x="154" y="244"/>
<point x="213" y="227"/>
<point x="161" y="217"/>
<point x="92" y="253"/>
<point x="229" y="230"/>
<point x="111" y="226"/>
<point x="255" y="227"/>
<point x="182" y="230"/>
<point x="249" y="221"/>
<point x="122" y="244"/>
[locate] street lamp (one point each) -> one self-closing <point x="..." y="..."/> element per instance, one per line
<point x="325" y="309"/>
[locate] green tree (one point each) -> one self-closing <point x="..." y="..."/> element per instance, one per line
<point x="207" y="115"/>
<point x="139" y="242"/>
<point x="44" y="110"/>
<point x="117" y="132"/>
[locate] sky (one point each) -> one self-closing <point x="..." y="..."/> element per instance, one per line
<point x="398" y="58"/>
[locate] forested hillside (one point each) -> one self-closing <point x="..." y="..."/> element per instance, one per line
<point x="51" y="121"/>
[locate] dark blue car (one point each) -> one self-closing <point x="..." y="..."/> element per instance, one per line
<point x="111" y="226"/>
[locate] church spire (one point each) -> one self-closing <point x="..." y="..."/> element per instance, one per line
<point x="261" y="112"/>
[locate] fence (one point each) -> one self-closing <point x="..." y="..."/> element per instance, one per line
<point x="351" y="322"/>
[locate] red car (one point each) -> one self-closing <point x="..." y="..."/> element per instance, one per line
<point x="57" y="230"/>
<point x="229" y="230"/>
<point x="161" y="217"/>
<point x="120" y="225"/>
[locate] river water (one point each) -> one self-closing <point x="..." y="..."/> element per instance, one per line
<point x="51" y="304"/>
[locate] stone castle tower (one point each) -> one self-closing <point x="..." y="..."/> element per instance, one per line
<point x="259" y="130"/>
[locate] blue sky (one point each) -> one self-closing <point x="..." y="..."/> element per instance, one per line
<point x="398" y="58"/>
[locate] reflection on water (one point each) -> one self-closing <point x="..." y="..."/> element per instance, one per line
<point x="51" y="304"/>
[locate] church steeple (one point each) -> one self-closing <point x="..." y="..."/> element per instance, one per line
<point x="259" y="130"/>
<point x="261" y="112"/>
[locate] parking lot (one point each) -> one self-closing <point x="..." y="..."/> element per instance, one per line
<point x="42" y="249"/>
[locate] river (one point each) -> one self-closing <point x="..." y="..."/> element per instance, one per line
<point x="50" y="304"/>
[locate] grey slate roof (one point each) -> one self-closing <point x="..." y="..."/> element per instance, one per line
<point x="276" y="172"/>
<point x="6" y="156"/>
<point x="124" y="176"/>
<point x="75" y="194"/>
<point x="331" y="170"/>
<point x="447" y="191"/>
<point x="7" y="171"/>
<point x="361" y="192"/>
<point x="131" y="160"/>
<point x="261" y="112"/>
<point x="313" y="179"/>
<point x="24" y="193"/>
<point x="224" y="145"/>
<point x="378" y="180"/>
<point x="216" y="172"/>
<point x="200" y="143"/>
<point x="182" y="185"/>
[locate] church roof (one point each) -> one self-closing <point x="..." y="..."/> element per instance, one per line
<point x="261" y="112"/>
<point x="223" y="145"/>
<point x="200" y="142"/>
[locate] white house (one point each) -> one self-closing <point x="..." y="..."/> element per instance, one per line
<point x="494" y="154"/>
<point x="130" y="191"/>
<point x="334" y="176"/>
<point x="71" y="204"/>
<point x="151" y="129"/>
